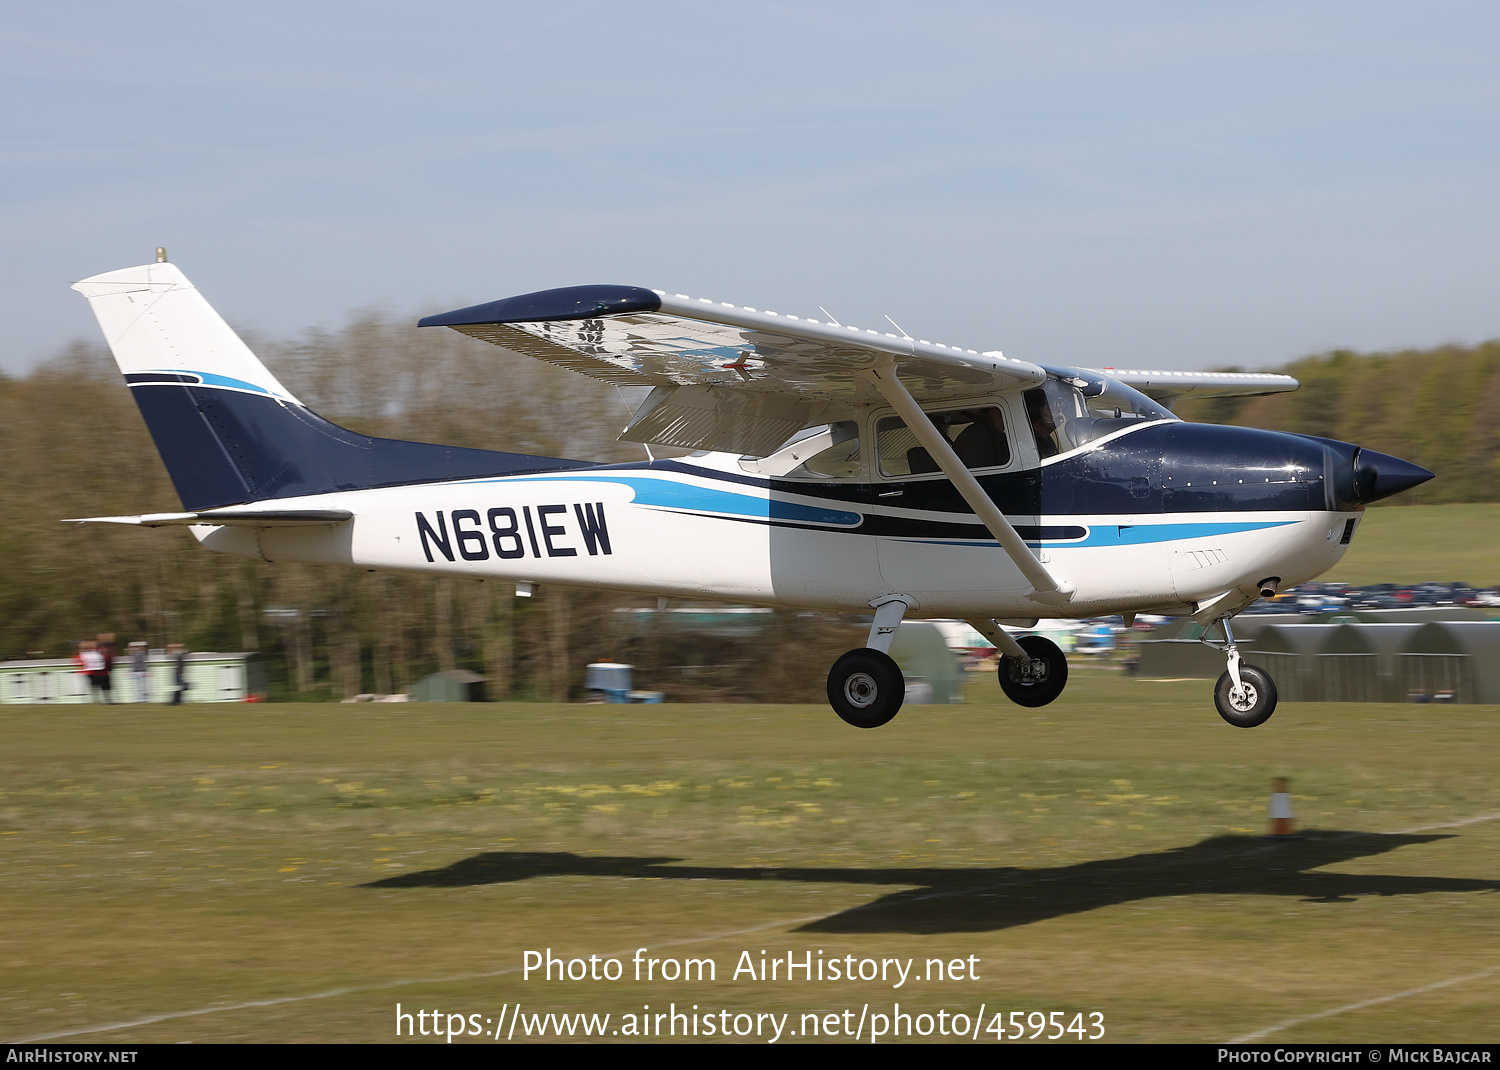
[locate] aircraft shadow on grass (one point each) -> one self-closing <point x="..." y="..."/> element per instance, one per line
<point x="984" y="899"/>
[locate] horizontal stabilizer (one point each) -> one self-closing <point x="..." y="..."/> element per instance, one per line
<point x="238" y="518"/>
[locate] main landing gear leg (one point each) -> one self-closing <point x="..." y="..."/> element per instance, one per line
<point x="866" y="687"/>
<point x="1245" y="695"/>
<point x="1033" y="670"/>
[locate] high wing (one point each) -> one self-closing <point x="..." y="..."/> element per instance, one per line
<point x="1171" y="387"/>
<point x="725" y="377"/>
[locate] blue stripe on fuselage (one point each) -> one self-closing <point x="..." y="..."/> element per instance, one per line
<point x="1125" y="534"/>
<point x="1135" y="534"/>
<point x="670" y="494"/>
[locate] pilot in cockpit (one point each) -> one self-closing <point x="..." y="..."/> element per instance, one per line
<point x="1043" y="424"/>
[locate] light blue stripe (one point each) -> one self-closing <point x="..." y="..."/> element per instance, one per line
<point x="1125" y="534"/>
<point x="210" y="379"/>
<point x="1137" y="534"/>
<point x="669" y="494"/>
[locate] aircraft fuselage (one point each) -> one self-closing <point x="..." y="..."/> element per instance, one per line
<point x="1159" y="517"/>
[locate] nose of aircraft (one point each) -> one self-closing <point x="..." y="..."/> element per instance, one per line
<point x="1379" y="475"/>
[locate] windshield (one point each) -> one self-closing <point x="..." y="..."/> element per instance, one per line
<point x="1077" y="407"/>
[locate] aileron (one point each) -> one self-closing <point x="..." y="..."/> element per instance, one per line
<point x="1170" y="387"/>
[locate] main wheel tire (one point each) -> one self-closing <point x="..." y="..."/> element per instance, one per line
<point x="1045" y="678"/>
<point x="866" y="688"/>
<point x="1254" y="705"/>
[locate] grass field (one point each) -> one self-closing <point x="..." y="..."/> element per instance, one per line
<point x="1423" y="543"/>
<point x="291" y="873"/>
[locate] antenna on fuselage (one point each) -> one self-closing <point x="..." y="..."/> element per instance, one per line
<point x="161" y="254"/>
<point x="825" y="312"/>
<point x="898" y="327"/>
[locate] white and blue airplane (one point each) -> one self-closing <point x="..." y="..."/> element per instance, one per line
<point x="833" y="467"/>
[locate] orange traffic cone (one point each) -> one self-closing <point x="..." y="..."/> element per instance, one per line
<point x="1281" y="810"/>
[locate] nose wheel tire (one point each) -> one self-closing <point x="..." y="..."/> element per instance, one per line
<point x="866" y="688"/>
<point x="1039" y="682"/>
<point x="1252" y="704"/>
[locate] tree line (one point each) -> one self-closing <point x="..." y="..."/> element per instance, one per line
<point x="72" y="444"/>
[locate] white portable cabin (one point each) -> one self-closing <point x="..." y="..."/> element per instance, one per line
<point x="210" y="676"/>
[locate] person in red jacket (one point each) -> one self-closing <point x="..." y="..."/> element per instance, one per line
<point x="92" y="663"/>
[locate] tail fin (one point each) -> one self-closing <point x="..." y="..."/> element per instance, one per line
<point x="226" y="428"/>
<point x="158" y="324"/>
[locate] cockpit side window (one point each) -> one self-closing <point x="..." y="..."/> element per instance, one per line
<point x="1044" y="423"/>
<point x="978" y="436"/>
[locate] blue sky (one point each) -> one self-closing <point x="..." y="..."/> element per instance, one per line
<point x="1132" y="184"/>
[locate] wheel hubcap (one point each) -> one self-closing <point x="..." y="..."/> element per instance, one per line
<point x="1243" y="698"/>
<point x="1034" y="672"/>
<point x="861" y="690"/>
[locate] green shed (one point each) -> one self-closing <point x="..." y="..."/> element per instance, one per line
<point x="450" y="685"/>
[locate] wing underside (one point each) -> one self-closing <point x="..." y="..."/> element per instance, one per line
<point x="732" y="378"/>
<point x="724" y="377"/>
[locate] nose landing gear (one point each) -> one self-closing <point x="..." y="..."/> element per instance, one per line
<point x="1245" y="695"/>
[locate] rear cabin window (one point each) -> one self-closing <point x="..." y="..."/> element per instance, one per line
<point x="977" y="435"/>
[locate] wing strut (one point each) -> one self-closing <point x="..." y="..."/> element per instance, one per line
<point x="1003" y="640"/>
<point x="1047" y="590"/>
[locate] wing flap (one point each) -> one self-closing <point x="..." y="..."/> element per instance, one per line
<point x="720" y="419"/>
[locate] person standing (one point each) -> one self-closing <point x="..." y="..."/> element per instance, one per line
<point x="140" y="669"/>
<point x="178" y="654"/>
<point x="91" y="664"/>
<point x="106" y="648"/>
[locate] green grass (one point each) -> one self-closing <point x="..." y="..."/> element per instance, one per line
<point x="1098" y="855"/>
<point x="1423" y="543"/>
